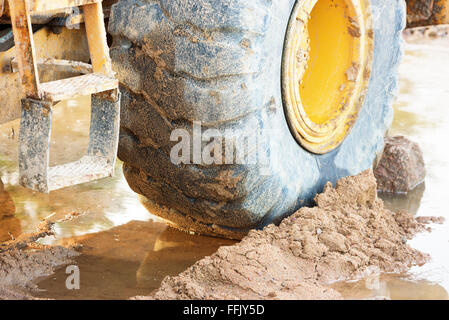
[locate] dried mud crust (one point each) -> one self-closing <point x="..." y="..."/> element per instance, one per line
<point x="219" y="62"/>
<point x="424" y="34"/>
<point x="347" y="235"/>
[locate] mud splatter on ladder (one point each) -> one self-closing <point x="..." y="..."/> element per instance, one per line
<point x="35" y="126"/>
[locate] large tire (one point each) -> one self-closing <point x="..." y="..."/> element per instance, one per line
<point x="219" y="62"/>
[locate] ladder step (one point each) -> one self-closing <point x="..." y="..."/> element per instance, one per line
<point x="77" y="86"/>
<point x="34" y="146"/>
<point x="88" y="168"/>
<point x="39" y="6"/>
<point x="57" y="65"/>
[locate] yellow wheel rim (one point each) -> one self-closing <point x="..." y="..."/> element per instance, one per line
<point x="326" y="70"/>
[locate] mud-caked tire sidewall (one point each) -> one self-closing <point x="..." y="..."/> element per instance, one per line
<point x="219" y="63"/>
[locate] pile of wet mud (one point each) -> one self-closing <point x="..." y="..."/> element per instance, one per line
<point x="349" y="234"/>
<point x="22" y="260"/>
<point x="18" y="269"/>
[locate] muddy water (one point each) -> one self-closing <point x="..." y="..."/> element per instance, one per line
<point x="420" y="114"/>
<point x="129" y="260"/>
<point x="107" y="203"/>
<point x="126" y="251"/>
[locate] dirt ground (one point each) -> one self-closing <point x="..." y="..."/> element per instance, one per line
<point x="348" y="234"/>
<point x="22" y="261"/>
<point x="18" y="269"/>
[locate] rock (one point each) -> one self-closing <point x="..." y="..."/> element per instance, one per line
<point x="401" y="168"/>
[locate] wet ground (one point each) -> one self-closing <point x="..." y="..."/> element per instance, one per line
<point x="421" y="115"/>
<point x="126" y="251"/>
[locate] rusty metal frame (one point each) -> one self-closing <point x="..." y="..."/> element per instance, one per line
<point x="35" y="126"/>
<point x="59" y="65"/>
<point x="427" y="12"/>
<point x="97" y="38"/>
<point x="35" y="6"/>
<point x="20" y="12"/>
<point x="23" y="38"/>
<point x="45" y="18"/>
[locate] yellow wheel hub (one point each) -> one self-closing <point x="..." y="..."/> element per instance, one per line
<point x="326" y="70"/>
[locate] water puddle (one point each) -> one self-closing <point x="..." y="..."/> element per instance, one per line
<point x="129" y="260"/>
<point x="107" y="203"/>
<point x="421" y="115"/>
<point x="390" y="286"/>
<point x="127" y="252"/>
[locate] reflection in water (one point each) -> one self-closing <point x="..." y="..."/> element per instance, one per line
<point x="421" y="115"/>
<point x="105" y="203"/>
<point x="119" y="258"/>
<point x="391" y="287"/>
<point x="9" y="224"/>
<point x="174" y="251"/>
<point x="409" y="202"/>
<point x="129" y="260"/>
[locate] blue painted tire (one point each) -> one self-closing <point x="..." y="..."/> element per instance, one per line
<point x="219" y="62"/>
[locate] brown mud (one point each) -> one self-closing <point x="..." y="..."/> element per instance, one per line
<point x="9" y="225"/>
<point x="22" y="261"/>
<point x="348" y="235"/>
<point x="128" y="260"/>
<point x="19" y="268"/>
<point x="112" y="264"/>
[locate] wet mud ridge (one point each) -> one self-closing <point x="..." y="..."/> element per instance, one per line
<point x="22" y="260"/>
<point x="347" y="235"/>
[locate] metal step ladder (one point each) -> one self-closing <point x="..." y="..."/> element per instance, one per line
<point x="35" y="125"/>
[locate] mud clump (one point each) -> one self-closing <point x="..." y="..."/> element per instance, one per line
<point x="347" y="235"/>
<point x="22" y="260"/>
<point x="18" y="268"/>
